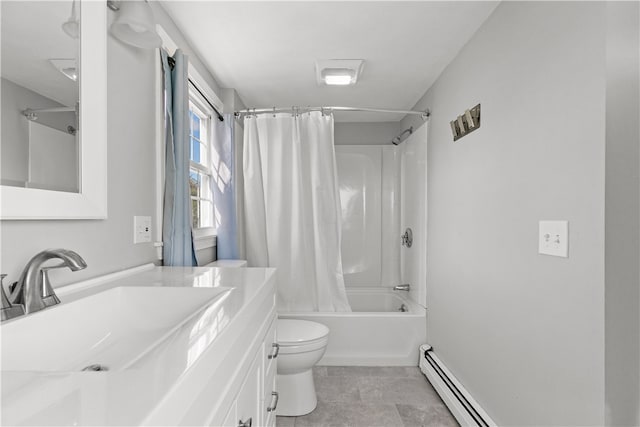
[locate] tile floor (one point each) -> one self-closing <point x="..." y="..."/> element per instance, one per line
<point x="373" y="396"/>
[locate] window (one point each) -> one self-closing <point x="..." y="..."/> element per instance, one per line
<point x="200" y="174"/>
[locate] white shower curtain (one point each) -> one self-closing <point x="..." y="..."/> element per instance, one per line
<point x="292" y="207"/>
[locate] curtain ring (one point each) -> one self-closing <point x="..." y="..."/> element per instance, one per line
<point x="274" y="112"/>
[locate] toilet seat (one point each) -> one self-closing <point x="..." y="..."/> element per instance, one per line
<point x="300" y="336"/>
<point x="297" y="332"/>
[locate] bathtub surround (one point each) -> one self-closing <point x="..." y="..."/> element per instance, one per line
<point x="370" y="201"/>
<point x="525" y="333"/>
<point x="382" y="193"/>
<point x="291" y="195"/>
<point x="413" y="206"/>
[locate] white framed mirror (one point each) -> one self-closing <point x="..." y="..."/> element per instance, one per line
<point x="66" y="162"/>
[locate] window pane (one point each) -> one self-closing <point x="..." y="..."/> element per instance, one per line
<point x="195" y="125"/>
<point x="206" y="213"/>
<point x="195" y="150"/>
<point x="194" y="183"/>
<point x="196" y="214"/>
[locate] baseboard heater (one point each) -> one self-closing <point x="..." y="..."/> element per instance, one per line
<point x="463" y="407"/>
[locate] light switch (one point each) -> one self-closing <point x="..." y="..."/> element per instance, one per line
<point x="554" y="238"/>
<point x="141" y="229"/>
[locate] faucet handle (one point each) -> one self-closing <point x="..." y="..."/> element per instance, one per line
<point x="8" y="310"/>
<point x="49" y="296"/>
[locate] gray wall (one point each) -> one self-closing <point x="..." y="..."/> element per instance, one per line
<point x="107" y="245"/>
<point x="365" y="133"/>
<point x="622" y="232"/>
<point x="523" y="332"/>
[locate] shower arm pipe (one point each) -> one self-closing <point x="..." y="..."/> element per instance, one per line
<point x="398" y="139"/>
<point x="425" y="114"/>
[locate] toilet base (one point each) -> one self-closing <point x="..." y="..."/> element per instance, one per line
<point x="297" y="394"/>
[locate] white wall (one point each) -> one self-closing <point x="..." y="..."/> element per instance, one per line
<point x="522" y="331"/>
<point x="107" y="245"/>
<point x="622" y="231"/>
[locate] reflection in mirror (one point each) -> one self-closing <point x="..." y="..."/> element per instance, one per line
<point x="40" y="94"/>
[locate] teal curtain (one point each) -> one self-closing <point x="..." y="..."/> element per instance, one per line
<point x="176" y="227"/>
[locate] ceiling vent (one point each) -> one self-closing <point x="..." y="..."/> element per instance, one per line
<point x="341" y="72"/>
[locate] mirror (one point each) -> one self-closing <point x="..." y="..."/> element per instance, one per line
<point x="53" y="76"/>
<point x="40" y="95"/>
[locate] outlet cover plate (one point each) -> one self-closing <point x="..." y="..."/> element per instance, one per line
<point x="141" y="229"/>
<point x="553" y="238"/>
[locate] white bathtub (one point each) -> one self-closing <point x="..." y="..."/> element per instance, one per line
<point x="375" y="333"/>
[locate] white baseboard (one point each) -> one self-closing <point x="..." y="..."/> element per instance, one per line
<point x="459" y="411"/>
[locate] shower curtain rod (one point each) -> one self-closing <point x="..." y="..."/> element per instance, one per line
<point x="48" y="110"/>
<point x="425" y="114"/>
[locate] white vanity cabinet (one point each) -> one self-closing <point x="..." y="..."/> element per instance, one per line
<point x="256" y="401"/>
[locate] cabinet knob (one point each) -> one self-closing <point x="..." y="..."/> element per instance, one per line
<point x="245" y="423"/>
<point x="273" y="355"/>
<point x="274" y="394"/>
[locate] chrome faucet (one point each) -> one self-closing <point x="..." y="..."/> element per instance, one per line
<point x="33" y="290"/>
<point x="405" y="287"/>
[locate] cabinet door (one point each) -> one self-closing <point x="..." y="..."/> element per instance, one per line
<point x="249" y="398"/>
<point x="270" y="395"/>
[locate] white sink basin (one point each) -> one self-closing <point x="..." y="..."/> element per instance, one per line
<point x="112" y="329"/>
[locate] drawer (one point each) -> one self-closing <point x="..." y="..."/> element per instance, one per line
<point x="270" y="399"/>
<point x="270" y="347"/>
<point x="269" y="387"/>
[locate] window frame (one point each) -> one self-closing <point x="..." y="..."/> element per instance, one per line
<point x="201" y="104"/>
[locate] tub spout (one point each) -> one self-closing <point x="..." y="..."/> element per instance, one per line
<point x="405" y="287"/>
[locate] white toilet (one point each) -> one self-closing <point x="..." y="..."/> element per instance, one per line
<point x="302" y="344"/>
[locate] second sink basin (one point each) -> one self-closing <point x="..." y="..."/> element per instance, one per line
<point x="110" y="329"/>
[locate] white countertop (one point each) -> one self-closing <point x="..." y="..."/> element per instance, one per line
<point x="148" y="390"/>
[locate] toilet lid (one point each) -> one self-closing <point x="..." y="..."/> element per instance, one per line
<point x="295" y="331"/>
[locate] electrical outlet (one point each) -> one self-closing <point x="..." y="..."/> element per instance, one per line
<point x="553" y="238"/>
<point x="141" y="229"/>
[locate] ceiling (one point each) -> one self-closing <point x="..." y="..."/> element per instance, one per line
<point x="31" y="35"/>
<point x="266" y="50"/>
